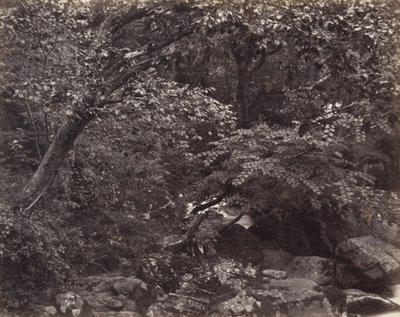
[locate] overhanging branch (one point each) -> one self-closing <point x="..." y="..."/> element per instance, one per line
<point x="214" y="201"/>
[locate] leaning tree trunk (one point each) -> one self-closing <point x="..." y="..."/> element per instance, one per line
<point x="54" y="157"/>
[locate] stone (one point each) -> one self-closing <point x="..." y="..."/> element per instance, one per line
<point x="126" y="286"/>
<point x="299" y="298"/>
<point x="179" y="305"/>
<point x="275" y="259"/>
<point x="51" y="310"/>
<point x="386" y="231"/>
<point x="96" y="283"/>
<point x="240" y="305"/>
<point x="68" y="301"/>
<point x="371" y="262"/>
<point x="359" y="302"/>
<point x="274" y="274"/>
<point x="336" y="297"/>
<point x="285" y="297"/>
<point x="130" y="305"/>
<point x="86" y="310"/>
<point x="103" y="302"/>
<point x="238" y="243"/>
<point x="243" y="290"/>
<point x="314" y="268"/>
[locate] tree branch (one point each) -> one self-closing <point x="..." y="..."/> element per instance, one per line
<point x="134" y="14"/>
<point x="214" y="201"/>
<point x="264" y="55"/>
<point x="232" y="221"/>
<point x="180" y="244"/>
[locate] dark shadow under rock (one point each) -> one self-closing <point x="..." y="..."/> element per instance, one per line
<point x="239" y="244"/>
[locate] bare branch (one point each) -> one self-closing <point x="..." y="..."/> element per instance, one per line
<point x="214" y="201"/>
<point x="233" y="221"/>
<point x="179" y="245"/>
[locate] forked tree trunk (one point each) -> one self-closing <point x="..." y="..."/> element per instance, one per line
<point x="54" y="157"/>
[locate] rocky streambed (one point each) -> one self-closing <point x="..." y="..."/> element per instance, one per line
<point x="280" y="285"/>
<point x="244" y="276"/>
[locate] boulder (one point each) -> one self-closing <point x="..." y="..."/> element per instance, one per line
<point x="238" y="243"/>
<point x="68" y="301"/>
<point x="295" y="297"/>
<point x="96" y="283"/>
<point x="103" y="302"/>
<point x="336" y="297"/>
<point x="51" y="310"/>
<point x="126" y="285"/>
<point x="314" y="268"/>
<point x="359" y="302"/>
<point x="367" y="263"/>
<point x="387" y="231"/>
<point x="275" y="259"/>
<point x="351" y="226"/>
<point x="243" y="291"/>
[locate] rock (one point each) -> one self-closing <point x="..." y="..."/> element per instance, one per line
<point x="68" y="301"/>
<point x="357" y="227"/>
<point x="125" y="286"/>
<point x="359" y="302"/>
<point x="164" y="269"/>
<point x="51" y="310"/>
<point x="274" y="274"/>
<point x="76" y="312"/>
<point x="287" y="297"/>
<point x="130" y="305"/>
<point x="386" y="231"/>
<point x="96" y="283"/>
<point x="314" y="268"/>
<point x="336" y="297"/>
<point x="239" y="244"/>
<point x="86" y="310"/>
<point x="276" y="260"/>
<point x="299" y="298"/>
<point x="233" y="273"/>
<point x="179" y="305"/>
<point x="103" y="302"/>
<point x="345" y="277"/>
<point x="242" y="304"/>
<point x="369" y="261"/>
<point x="243" y="291"/>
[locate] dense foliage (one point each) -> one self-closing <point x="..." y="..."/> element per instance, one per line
<point x="126" y="113"/>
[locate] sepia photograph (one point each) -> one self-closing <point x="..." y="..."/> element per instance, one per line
<point x="199" y="158"/>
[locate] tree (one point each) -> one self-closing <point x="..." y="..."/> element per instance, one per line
<point x="99" y="97"/>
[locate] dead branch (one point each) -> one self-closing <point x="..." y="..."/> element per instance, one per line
<point x="233" y="221"/>
<point x="214" y="201"/>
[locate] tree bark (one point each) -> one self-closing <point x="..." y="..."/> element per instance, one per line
<point x="242" y="98"/>
<point x="246" y="69"/>
<point x="55" y="155"/>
